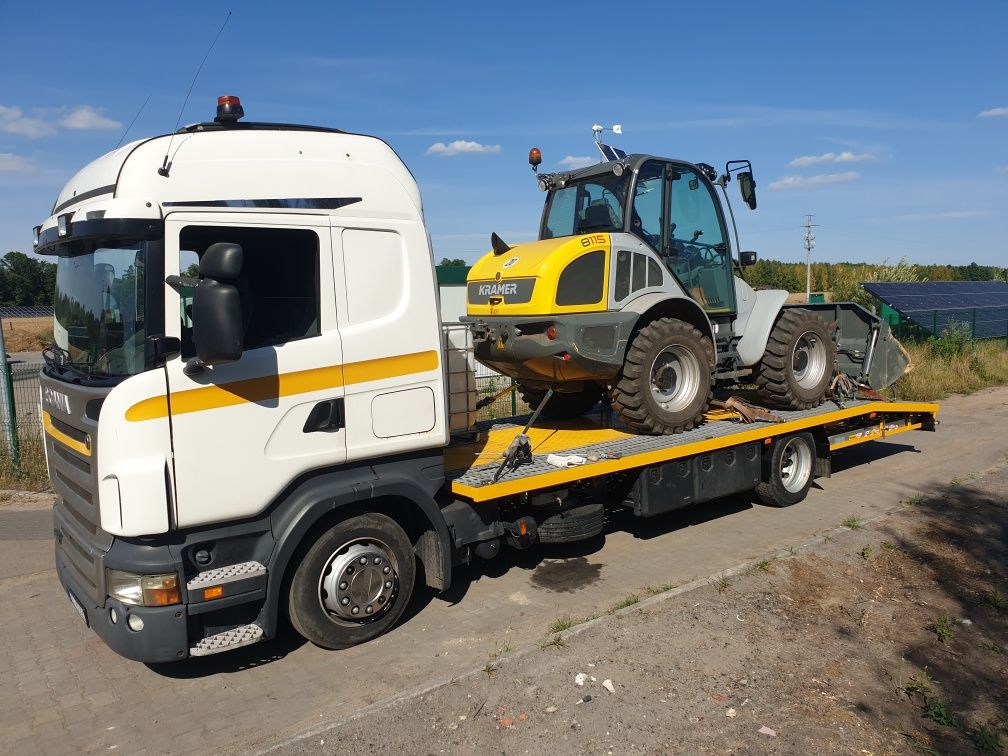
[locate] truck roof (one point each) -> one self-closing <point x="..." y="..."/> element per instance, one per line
<point x="246" y="165"/>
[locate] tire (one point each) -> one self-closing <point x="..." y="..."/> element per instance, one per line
<point x="315" y="601"/>
<point x="666" y="382"/>
<point x="574" y="524"/>
<point x="789" y="471"/>
<point x="562" y="406"/>
<point x="798" y="364"/>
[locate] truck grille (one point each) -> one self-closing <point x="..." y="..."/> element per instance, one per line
<point x="80" y="542"/>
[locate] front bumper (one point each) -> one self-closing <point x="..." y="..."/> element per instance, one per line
<point x="164" y="636"/>
<point x="169" y="633"/>
<point x="587" y="346"/>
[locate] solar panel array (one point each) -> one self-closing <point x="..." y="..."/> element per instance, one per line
<point x="979" y="306"/>
<point x="610" y="153"/>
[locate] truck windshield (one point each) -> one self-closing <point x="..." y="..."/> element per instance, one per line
<point x="99" y="319"/>
<point x="593" y="204"/>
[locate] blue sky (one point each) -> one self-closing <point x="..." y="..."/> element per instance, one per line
<point x="888" y="121"/>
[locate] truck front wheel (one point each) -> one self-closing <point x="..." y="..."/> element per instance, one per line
<point x="666" y="381"/>
<point x="353" y="583"/>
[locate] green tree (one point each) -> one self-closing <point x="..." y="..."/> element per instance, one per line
<point x="452" y="263"/>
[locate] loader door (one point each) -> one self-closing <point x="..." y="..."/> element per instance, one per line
<point x="698" y="249"/>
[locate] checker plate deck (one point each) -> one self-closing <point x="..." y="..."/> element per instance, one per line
<point x="470" y="465"/>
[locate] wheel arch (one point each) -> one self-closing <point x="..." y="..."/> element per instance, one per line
<point x="318" y="503"/>
<point x="757" y="327"/>
<point x="654" y="306"/>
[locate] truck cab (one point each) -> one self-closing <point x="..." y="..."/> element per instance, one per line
<point x="241" y="308"/>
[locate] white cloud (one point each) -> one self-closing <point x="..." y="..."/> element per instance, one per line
<point x="461" y="147"/>
<point x="10" y="163"/>
<point x="573" y="162"/>
<point x="804" y="182"/>
<point x="14" y="121"/>
<point x="993" y="113"/>
<point x="832" y="157"/>
<point x="1001" y="169"/>
<point x="82" y="118"/>
<point x="86" y="118"/>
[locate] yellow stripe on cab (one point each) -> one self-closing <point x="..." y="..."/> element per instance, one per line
<point x="270" y="387"/>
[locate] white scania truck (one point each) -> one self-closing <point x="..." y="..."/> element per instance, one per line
<point x="247" y="403"/>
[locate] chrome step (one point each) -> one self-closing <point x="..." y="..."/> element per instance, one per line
<point x="236" y="637"/>
<point x="226" y="574"/>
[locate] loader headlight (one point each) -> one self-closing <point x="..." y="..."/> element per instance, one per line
<point x="143" y="590"/>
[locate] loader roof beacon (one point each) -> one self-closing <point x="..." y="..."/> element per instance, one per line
<point x="252" y="408"/>
<point x="634" y="291"/>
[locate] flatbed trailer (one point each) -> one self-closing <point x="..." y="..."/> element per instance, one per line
<point x="651" y="474"/>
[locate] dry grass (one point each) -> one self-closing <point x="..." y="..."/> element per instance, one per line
<point x="27" y="334"/>
<point x="941" y="368"/>
<point x="32" y="476"/>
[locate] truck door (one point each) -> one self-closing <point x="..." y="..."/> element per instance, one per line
<point x="699" y="253"/>
<point x="242" y="431"/>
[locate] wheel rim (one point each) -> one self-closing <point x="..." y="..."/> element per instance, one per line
<point x="795" y="464"/>
<point x="359" y="582"/>
<point x="675" y="378"/>
<point x="808" y="361"/>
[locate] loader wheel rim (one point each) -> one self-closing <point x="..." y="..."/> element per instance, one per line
<point x="808" y="360"/>
<point x="795" y="465"/>
<point x="675" y="378"/>
<point x="359" y="582"/>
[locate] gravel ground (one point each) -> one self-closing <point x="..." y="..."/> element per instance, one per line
<point x="883" y="637"/>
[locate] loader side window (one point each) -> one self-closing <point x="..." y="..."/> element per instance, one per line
<point x="582" y="281"/>
<point x="279" y="284"/>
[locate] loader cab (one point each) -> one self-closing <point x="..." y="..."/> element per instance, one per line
<point x="669" y="205"/>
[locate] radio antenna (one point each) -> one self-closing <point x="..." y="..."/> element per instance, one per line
<point x="166" y="166"/>
<point x="132" y="122"/>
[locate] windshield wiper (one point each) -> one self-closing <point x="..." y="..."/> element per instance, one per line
<point x="58" y="359"/>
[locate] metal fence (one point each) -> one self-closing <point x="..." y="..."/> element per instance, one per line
<point x="21" y="418"/>
<point x="976" y="322"/>
<point x="19" y="311"/>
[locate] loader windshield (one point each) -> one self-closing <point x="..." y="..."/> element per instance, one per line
<point x="593" y="204"/>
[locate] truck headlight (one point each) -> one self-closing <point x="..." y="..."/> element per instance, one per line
<point x="143" y="590"/>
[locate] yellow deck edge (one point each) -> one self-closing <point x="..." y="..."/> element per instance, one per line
<point x="604" y="467"/>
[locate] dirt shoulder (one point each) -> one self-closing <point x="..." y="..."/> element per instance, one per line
<point x="886" y="637"/>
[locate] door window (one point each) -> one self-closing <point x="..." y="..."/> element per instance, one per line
<point x="698" y="254"/>
<point x="279" y="282"/>
<point x="648" y="204"/>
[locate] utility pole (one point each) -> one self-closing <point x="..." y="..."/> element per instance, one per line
<point x="809" y="244"/>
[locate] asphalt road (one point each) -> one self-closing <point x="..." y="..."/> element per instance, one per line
<point x="62" y="690"/>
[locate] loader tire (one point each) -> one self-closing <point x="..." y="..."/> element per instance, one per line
<point x="666" y="382"/>
<point x="562" y="406"/>
<point x="798" y="364"/>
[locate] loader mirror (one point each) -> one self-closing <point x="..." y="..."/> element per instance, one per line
<point x="746" y="258"/>
<point x="747" y="186"/>
<point x="217" y="307"/>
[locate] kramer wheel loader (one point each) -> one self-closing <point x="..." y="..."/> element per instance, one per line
<point x="635" y="290"/>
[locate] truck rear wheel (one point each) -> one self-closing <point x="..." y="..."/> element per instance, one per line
<point x="563" y="406"/>
<point x="797" y="366"/>
<point x="788" y="473"/>
<point x="666" y="383"/>
<point x="353" y="583"/>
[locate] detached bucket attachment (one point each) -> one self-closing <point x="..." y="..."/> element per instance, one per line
<point x="867" y="351"/>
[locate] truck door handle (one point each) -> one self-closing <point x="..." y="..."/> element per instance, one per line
<point x="326" y="417"/>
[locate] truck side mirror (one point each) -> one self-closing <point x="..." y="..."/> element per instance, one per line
<point x="217" y="307"/>
<point x="746" y="258"/>
<point x="747" y="186"/>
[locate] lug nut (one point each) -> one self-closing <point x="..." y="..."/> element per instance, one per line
<point x="369" y="609"/>
<point x="343" y="585"/>
<point x="377" y="560"/>
<point x="355" y="610"/>
<point x="388" y="583"/>
<point x="363" y="560"/>
<point x="386" y="570"/>
<point x="344" y="601"/>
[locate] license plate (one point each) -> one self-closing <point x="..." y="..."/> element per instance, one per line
<point x="79" y="607"/>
